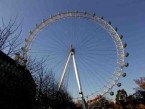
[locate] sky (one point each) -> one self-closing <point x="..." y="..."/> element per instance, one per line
<point x="127" y="15"/>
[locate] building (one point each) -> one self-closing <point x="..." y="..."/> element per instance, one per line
<point x="17" y="87"/>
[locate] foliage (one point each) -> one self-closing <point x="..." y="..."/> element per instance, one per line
<point x="121" y="95"/>
<point x="140" y="82"/>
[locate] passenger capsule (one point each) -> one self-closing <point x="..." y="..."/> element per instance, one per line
<point x="68" y="11"/>
<point x="36" y="26"/>
<point x="124" y="75"/>
<point x="23" y="49"/>
<point x="111" y="93"/>
<point x="85" y="12"/>
<point x="76" y="11"/>
<point x="50" y="16"/>
<point x="31" y="32"/>
<point x="126" y="54"/>
<point x="125" y="45"/>
<point x="59" y="13"/>
<point x="109" y="22"/>
<point x="126" y="64"/>
<point x="94" y="14"/>
<point x="116" y="29"/>
<point x="26" y="40"/>
<point x="121" y="36"/>
<point x="43" y="20"/>
<point x="119" y="84"/>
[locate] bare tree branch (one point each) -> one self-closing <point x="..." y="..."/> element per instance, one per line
<point x="10" y="39"/>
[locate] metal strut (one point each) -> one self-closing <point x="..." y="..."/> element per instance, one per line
<point x="72" y="54"/>
<point x="64" y="72"/>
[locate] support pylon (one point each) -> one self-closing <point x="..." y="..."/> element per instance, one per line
<point x="72" y="54"/>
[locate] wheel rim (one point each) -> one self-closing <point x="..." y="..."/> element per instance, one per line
<point x="106" y="26"/>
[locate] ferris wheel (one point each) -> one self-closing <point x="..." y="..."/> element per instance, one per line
<point x="83" y="50"/>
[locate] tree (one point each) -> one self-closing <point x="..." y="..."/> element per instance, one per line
<point x="140" y="82"/>
<point x="10" y="39"/>
<point x="140" y="91"/>
<point x="47" y="94"/>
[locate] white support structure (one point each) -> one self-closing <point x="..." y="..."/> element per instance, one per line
<point x="72" y="53"/>
<point x="79" y="82"/>
<point x="64" y="72"/>
<point x="77" y="74"/>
